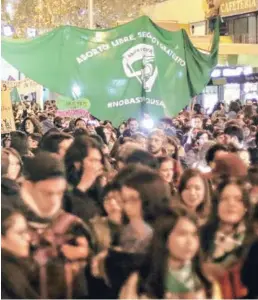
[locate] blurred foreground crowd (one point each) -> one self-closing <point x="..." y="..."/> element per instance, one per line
<point x="93" y="211"/>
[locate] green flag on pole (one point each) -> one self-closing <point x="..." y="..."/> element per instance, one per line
<point x="117" y="72"/>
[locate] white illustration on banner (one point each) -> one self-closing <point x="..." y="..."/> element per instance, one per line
<point x="148" y="73"/>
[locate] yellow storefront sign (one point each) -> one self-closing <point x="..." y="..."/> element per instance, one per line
<point x="7" y="118"/>
<point x="237" y="7"/>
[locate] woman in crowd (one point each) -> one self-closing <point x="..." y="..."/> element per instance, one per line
<point x="121" y="129"/>
<point x="31" y="125"/>
<point x="228" y="231"/>
<point x="107" y="228"/>
<point x="168" y="171"/>
<point x="173" y="269"/>
<point x="145" y="196"/>
<point x="194" y="195"/>
<point x="17" y="271"/>
<point x="107" y="136"/>
<point x="226" y="238"/>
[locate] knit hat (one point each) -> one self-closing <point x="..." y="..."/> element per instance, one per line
<point x="43" y="166"/>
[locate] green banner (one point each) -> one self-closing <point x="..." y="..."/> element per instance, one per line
<point x="120" y="71"/>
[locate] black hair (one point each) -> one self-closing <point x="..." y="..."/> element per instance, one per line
<point x="211" y="153"/>
<point x="98" y="139"/>
<point x="107" y="122"/>
<point x="197" y="108"/>
<point x="154" y="192"/>
<point x="79" y="119"/>
<point x="43" y="166"/>
<point x="51" y="142"/>
<point x="19" y="141"/>
<point x="142" y="157"/>
<point x="80" y="131"/>
<point x="35" y="122"/>
<point x="217" y="133"/>
<point x="217" y="106"/>
<point x="76" y="153"/>
<point x="35" y="136"/>
<point x="253" y="175"/>
<point x="7" y="215"/>
<point x="58" y="122"/>
<point x="100" y="131"/>
<point x="209" y="230"/>
<point x="167" y="121"/>
<point x="234" y="106"/>
<point x="130" y="120"/>
<point x="235" y="131"/>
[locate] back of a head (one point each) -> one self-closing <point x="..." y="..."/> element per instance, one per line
<point x="142" y="157"/>
<point x="36" y="136"/>
<point x="100" y="132"/>
<point x="51" y="142"/>
<point x="234" y="131"/>
<point x="211" y="153"/>
<point x="6" y="214"/>
<point x="234" y="106"/>
<point x="43" y="166"/>
<point x="80" y="149"/>
<point x="127" y="149"/>
<point x="19" y="141"/>
<point x="154" y="192"/>
<point x="80" y="131"/>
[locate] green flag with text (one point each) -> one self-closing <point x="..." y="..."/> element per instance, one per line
<point x="117" y="73"/>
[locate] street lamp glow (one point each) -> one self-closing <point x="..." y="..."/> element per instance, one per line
<point x="76" y="90"/>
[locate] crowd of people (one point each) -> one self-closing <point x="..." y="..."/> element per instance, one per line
<point x="93" y="211"/>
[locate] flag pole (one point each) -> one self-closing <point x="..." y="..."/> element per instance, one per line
<point x="90" y="9"/>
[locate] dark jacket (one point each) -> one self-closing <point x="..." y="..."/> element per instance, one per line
<point x="83" y="205"/>
<point x="119" y="266"/>
<point x="18" y="277"/>
<point x="10" y="194"/>
<point x="249" y="274"/>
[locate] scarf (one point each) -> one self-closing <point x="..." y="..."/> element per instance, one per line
<point x="182" y="281"/>
<point x="225" y="244"/>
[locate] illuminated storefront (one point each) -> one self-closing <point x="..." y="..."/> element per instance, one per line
<point x="228" y="84"/>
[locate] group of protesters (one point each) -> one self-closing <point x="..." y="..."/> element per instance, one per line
<point x="98" y="212"/>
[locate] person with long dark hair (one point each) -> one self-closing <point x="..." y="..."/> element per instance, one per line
<point x="31" y="125"/>
<point x="194" y="195"/>
<point x="107" y="228"/>
<point x="173" y="265"/>
<point x="145" y="197"/>
<point x="169" y="172"/>
<point x="226" y="238"/>
<point x="84" y="162"/>
<point x="17" y="270"/>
